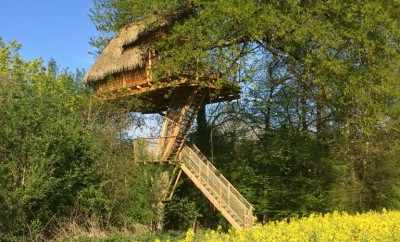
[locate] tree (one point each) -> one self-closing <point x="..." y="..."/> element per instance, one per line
<point x="323" y="71"/>
<point x="61" y="155"/>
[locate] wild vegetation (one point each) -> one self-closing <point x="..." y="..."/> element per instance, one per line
<point x="317" y="126"/>
<point x="316" y="130"/>
<point x="63" y="158"/>
<point x="369" y="226"/>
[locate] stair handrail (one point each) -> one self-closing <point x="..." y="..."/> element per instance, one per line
<point x="236" y="205"/>
<point x="223" y="180"/>
<point x="226" y="182"/>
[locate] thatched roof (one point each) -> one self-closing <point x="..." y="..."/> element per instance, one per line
<point x="122" y="53"/>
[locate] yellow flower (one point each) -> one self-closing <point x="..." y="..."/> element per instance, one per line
<point x="337" y="226"/>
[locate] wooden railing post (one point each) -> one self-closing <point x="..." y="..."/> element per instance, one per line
<point x="198" y="165"/>
<point x="208" y="174"/>
<point x="229" y="195"/>
<point x="220" y="195"/>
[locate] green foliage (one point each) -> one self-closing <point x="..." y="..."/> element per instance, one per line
<point x="317" y="127"/>
<point x="46" y="153"/>
<point x="181" y="214"/>
<point x="61" y="158"/>
<point x="291" y="166"/>
<point x="318" y="122"/>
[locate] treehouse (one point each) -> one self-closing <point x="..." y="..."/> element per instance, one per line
<point x="124" y="70"/>
<point x="125" y="67"/>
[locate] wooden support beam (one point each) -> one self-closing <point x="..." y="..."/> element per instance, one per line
<point x="171" y="193"/>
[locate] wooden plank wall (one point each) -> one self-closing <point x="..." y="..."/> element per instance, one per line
<point x="123" y="81"/>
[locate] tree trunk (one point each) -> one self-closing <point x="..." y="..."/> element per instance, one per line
<point x="203" y="134"/>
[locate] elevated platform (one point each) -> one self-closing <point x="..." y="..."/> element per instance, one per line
<point x="152" y="97"/>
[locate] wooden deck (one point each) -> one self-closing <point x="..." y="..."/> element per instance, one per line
<point x="153" y="97"/>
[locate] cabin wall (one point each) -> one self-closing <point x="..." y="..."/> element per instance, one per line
<point x="123" y="81"/>
<point x="128" y="79"/>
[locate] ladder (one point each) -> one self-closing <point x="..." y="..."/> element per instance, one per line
<point x="218" y="190"/>
<point x="177" y="122"/>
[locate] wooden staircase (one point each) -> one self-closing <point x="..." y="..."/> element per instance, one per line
<point x="177" y="122"/>
<point x="233" y="206"/>
<point x="172" y="148"/>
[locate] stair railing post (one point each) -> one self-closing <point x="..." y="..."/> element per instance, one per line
<point x="229" y="196"/>
<point x="198" y="165"/>
<point x="244" y="216"/>
<point x="220" y="195"/>
<point x="245" y="219"/>
<point x="208" y="174"/>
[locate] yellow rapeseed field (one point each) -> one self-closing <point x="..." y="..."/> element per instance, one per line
<point x="371" y="226"/>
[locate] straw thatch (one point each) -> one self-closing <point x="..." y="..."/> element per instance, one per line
<point x="127" y="50"/>
<point x="122" y="54"/>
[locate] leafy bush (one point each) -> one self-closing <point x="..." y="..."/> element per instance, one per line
<point x="61" y="156"/>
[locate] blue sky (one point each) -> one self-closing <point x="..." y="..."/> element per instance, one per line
<point x="58" y="29"/>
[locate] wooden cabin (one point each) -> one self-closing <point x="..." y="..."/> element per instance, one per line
<point x="124" y="68"/>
